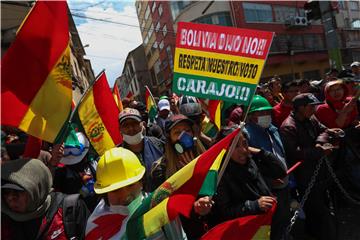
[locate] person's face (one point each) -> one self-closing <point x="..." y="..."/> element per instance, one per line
<point x="241" y="152"/>
<point x="355" y="70"/>
<point x="291" y="92"/>
<point x="336" y="92"/>
<point x="17" y="201"/>
<point x="276" y="86"/>
<point x="177" y="130"/>
<point x="130" y="127"/>
<point x="304" y="88"/>
<point x="125" y="195"/>
<point x="255" y="115"/>
<point x="164" y="113"/>
<point x="307" y="111"/>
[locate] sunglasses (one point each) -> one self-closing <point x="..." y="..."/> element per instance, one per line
<point x="74" y="151"/>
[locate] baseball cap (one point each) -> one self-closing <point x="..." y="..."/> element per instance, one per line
<point x="164" y="104"/>
<point x="175" y="119"/>
<point x="305" y="99"/>
<point x="12" y="186"/>
<point x="129" y="113"/>
<point x="355" y="64"/>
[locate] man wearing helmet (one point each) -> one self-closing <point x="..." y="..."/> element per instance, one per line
<point x="118" y="178"/>
<point x="264" y="135"/>
<point x="190" y="107"/>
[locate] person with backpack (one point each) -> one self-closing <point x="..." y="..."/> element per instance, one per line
<point x="29" y="208"/>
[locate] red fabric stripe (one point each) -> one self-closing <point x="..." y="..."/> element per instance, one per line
<point x="106" y="106"/>
<point x="213" y="104"/>
<point x="32" y="147"/>
<point x="246" y="227"/>
<point x="181" y="201"/>
<point x="27" y="63"/>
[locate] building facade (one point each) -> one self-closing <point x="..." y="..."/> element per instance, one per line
<point x="135" y="75"/>
<point x="12" y="15"/>
<point x="158" y="35"/>
<point x="348" y="29"/>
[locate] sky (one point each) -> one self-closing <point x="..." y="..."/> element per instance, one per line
<point x="107" y="44"/>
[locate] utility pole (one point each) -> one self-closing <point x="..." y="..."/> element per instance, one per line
<point x="323" y="10"/>
<point x="332" y="42"/>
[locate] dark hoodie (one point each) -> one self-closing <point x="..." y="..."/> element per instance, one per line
<point x="328" y="112"/>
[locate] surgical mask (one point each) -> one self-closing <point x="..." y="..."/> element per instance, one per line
<point x="132" y="140"/>
<point x="264" y="121"/>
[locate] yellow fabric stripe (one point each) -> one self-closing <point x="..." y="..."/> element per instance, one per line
<point x="150" y="103"/>
<point x="182" y="176"/>
<point x="262" y="233"/>
<point x="51" y="106"/>
<point x="156" y="218"/>
<point x="216" y="165"/>
<point x="218" y="116"/>
<point x="93" y="125"/>
<point x="250" y="80"/>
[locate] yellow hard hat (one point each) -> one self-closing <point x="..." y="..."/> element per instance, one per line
<point x="117" y="168"/>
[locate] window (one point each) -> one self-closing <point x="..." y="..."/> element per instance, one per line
<point x="283" y="12"/>
<point x="341" y="4"/>
<point x="255" y="12"/>
<point x="161" y="45"/>
<point x="155" y="45"/>
<point x="312" y="75"/>
<point x="147" y="13"/>
<point x="153" y="7"/>
<point x="164" y="30"/>
<point x="157" y="27"/>
<point x="354" y="5"/>
<point x="160" y="10"/>
<point x="138" y="8"/>
<point x="313" y="42"/>
<point x="355" y="24"/>
<point x="177" y="6"/>
<point x="222" y="19"/>
<point x="169" y="53"/>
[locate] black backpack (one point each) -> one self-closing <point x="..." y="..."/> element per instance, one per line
<point x="75" y="214"/>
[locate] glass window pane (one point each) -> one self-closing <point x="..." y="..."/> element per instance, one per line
<point x="255" y="12"/>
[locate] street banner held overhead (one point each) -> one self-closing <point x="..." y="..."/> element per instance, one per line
<point x="216" y="62"/>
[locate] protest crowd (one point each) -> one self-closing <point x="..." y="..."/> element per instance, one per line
<point x="279" y="160"/>
<point x="300" y="139"/>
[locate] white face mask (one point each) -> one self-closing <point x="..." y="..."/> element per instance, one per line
<point x="264" y="121"/>
<point x="132" y="140"/>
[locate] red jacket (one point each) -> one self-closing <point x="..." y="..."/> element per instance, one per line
<point x="280" y="112"/>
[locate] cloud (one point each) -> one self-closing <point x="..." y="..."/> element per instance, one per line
<point x="109" y="43"/>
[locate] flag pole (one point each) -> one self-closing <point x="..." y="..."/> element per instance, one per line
<point x="77" y="106"/>
<point x="152" y="97"/>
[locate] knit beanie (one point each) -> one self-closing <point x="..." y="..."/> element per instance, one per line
<point x="36" y="179"/>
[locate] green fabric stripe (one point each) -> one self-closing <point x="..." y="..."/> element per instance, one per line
<point x="209" y="186"/>
<point x="152" y="113"/>
<point x="135" y="225"/>
<point x="240" y="93"/>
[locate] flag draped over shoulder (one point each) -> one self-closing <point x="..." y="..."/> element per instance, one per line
<point x="36" y="81"/>
<point x="150" y="104"/>
<point x="176" y="195"/>
<point x="117" y="98"/>
<point x="214" y="109"/>
<point x="98" y="114"/>
<point x="246" y="228"/>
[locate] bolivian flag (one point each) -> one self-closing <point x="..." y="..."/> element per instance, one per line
<point x="98" y="114"/>
<point x="117" y="97"/>
<point x="150" y="104"/>
<point x="36" y="89"/>
<point x="176" y="195"/>
<point x="252" y="227"/>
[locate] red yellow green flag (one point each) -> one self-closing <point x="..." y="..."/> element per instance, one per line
<point x="214" y="109"/>
<point x="36" y="89"/>
<point x="249" y="228"/>
<point x="98" y="114"/>
<point x="117" y="98"/>
<point x="176" y="195"/>
<point x="150" y="104"/>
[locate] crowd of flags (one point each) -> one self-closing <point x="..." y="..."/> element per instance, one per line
<point x="36" y="97"/>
